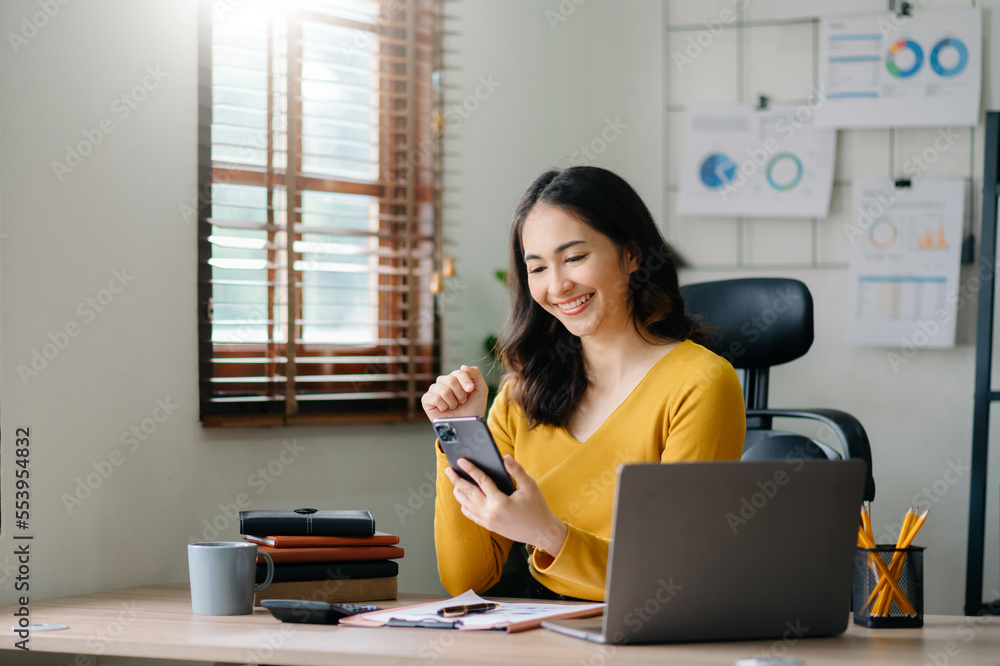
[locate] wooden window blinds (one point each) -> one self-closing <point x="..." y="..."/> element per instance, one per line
<point x="320" y="205"/>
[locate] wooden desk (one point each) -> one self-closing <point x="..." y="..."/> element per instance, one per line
<point x="155" y="623"/>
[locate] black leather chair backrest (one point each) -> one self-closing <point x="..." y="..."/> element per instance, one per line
<point x="758" y="322"/>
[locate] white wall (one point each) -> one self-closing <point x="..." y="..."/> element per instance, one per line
<point x="560" y="83"/>
<point x="566" y="85"/>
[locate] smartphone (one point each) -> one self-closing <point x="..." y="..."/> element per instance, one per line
<point x="469" y="437"/>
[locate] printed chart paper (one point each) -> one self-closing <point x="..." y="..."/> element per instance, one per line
<point x="793" y="9"/>
<point x="904" y="263"/>
<point x="741" y="161"/>
<point x="923" y="70"/>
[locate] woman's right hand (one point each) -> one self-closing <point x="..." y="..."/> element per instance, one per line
<point x="462" y="393"/>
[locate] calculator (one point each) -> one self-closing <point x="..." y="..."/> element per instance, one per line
<point x="313" y="612"/>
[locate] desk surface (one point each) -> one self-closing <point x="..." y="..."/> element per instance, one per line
<point x="155" y="622"/>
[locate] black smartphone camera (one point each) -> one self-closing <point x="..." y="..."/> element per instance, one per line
<point x="469" y="437"/>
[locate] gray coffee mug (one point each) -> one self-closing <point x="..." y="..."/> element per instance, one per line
<point x="222" y="577"/>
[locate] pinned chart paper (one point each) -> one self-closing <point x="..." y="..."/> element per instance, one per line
<point x="886" y="70"/>
<point x="904" y="264"/>
<point x="793" y="9"/>
<point x="741" y="161"/>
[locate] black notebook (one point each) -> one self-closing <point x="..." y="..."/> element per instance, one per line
<point x="296" y="571"/>
<point x="307" y="522"/>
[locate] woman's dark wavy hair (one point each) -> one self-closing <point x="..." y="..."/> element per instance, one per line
<point x="546" y="373"/>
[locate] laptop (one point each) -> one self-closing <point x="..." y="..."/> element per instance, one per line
<point x="713" y="551"/>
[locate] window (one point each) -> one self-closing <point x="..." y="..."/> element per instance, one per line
<point x="319" y="224"/>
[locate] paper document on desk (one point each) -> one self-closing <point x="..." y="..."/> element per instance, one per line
<point x="511" y="617"/>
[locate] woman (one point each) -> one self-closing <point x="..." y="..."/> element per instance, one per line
<point x="604" y="368"/>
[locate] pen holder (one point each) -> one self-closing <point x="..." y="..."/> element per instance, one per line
<point x="889" y="587"/>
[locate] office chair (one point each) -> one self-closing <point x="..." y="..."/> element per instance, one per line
<point x="762" y="322"/>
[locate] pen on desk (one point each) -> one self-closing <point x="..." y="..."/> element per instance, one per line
<point x="458" y="611"/>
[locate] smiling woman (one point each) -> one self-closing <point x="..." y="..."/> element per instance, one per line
<point x="605" y="368"/>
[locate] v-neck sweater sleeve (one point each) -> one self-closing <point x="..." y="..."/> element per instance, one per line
<point x="689" y="407"/>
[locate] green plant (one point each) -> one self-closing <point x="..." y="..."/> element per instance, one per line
<point x="490" y="347"/>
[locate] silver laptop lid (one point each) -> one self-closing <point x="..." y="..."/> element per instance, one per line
<point x="732" y="550"/>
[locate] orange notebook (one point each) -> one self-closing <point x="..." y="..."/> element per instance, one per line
<point x="333" y="554"/>
<point x="380" y="539"/>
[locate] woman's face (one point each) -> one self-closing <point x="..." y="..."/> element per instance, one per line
<point x="576" y="273"/>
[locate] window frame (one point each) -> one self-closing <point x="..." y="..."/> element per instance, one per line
<point x="407" y="188"/>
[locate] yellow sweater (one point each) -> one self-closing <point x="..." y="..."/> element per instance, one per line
<point x="688" y="407"/>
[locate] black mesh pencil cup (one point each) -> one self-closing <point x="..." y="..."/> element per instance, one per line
<point x="889" y="587"/>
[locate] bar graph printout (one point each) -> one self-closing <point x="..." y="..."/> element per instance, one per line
<point x="887" y="70"/>
<point x="905" y="255"/>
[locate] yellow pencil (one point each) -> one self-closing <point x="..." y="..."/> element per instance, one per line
<point x="911" y="526"/>
<point x="917" y="524"/>
<point x="866" y="520"/>
<point x="878" y="595"/>
<point x="884" y="578"/>
<point x="884" y="604"/>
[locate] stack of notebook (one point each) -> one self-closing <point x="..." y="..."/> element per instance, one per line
<point x="334" y="556"/>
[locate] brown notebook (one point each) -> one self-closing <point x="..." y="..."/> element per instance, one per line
<point x="332" y="591"/>
<point x="380" y="539"/>
<point x="332" y="554"/>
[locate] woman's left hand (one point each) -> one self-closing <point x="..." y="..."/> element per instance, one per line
<point x="523" y="516"/>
